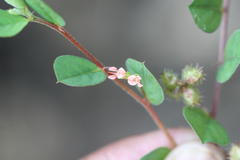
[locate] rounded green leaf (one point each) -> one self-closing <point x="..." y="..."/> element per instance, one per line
<point x="207" y="14"/>
<point x="16" y="3"/>
<point x="46" y="12"/>
<point x="231" y="58"/>
<point x="151" y="87"/>
<point x="157" y="154"/>
<point x="77" y="72"/>
<point x="10" y="25"/>
<point x="207" y="128"/>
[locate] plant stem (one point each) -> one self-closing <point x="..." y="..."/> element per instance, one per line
<point x="148" y="107"/>
<point x="220" y="59"/>
<point x="144" y="102"/>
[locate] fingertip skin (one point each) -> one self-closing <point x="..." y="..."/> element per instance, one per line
<point x="197" y="151"/>
<point x="136" y="146"/>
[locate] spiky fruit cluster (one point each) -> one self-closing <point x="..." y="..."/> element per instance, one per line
<point x="186" y="87"/>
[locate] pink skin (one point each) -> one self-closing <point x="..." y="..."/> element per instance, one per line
<point x="134" y="147"/>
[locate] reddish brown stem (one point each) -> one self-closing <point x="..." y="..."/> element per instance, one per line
<point x="148" y="107"/>
<point x="144" y="102"/>
<point x="220" y="58"/>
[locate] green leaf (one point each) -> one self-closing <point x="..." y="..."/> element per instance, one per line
<point x="16" y="3"/>
<point x="16" y="11"/>
<point x="207" y="128"/>
<point x="207" y="14"/>
<point x="231" y="58"/>
<point x="10" y="25"/>
<point x="46" y="12"/>
<point x="77" y="72"/>
<point x="151" y="87"/>
<point x="157" y="154"/>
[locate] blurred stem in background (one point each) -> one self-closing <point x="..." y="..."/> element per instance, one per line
<point x="222" y="42"/>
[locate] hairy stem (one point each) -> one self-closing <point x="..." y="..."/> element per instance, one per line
<point x="144" y="102"/>
<point x="222" y="42"/>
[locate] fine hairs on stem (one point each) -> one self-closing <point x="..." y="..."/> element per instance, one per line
<point x="143" y="101"/>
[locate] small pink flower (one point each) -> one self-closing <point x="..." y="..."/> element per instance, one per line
<point x="112" y="77"/>
<point x="116" y="73"/>
<point x="113" y="69"/>
<point x="139" y="85"/>
<point x="121" y="73"/>
<point x="135" y="80"/>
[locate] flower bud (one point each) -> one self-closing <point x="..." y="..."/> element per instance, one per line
<point x="235" y="152"/>
<point x="192" y="75"/>
<point x="194" y="150"/>
<point x="191" y="96"/>
<point x="169" y="79"/>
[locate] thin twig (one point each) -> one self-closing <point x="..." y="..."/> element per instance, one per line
<point x="222" y="42"/>
<point x="148" y="107"/>
<point x="144" y="102"/>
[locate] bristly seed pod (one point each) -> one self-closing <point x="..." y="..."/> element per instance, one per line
<point x="169" y="79"/>
<point x="170" y="82"/>
<point x="192" y="75"/>
<point x="191" y="96"/>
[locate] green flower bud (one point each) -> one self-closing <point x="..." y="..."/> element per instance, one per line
<point x="169" y="80"/>
<point x="192" y="75"/>
<point x="235" y="152"/>
<point x="191" y="96"/>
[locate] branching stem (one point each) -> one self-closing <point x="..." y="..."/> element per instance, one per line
<point x="143" y="101"/>
<point x="222" y="42"/>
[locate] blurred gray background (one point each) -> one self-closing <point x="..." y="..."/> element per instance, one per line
<point x="42" y="120"/>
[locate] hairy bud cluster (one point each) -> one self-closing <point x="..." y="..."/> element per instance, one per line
<point x="192" y="75"/>
<point x="170" y="83"/>
<point x="186" y="87"/>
